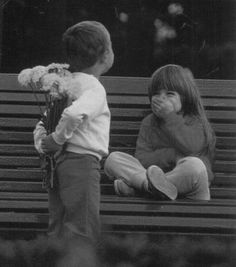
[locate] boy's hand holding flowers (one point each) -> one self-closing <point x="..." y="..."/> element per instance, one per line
<point x="165" y="103"/>
<point x="49" y="146"/>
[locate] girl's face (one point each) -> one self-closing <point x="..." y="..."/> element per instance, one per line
<point x="172" y="96"/>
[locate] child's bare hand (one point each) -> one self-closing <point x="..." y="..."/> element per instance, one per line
<point x="166" y="103"/>
<point x="49" y="146"/>
<point x="161" y="107"/>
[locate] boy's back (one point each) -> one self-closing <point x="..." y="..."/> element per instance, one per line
<point x="85" y="125"/>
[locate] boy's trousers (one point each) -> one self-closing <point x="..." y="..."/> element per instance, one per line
<point x="74" y="201"/>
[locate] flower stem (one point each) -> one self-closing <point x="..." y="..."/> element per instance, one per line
<point x="36" y="97"/>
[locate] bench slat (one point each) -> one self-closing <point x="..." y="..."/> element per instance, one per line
<point x="20" y="110"/>
<point x="135" y="125"/>
<point x="135" y="114"/>
<point x="18" y="150"/>
<point x="121" y="100"/>
<point x="35" y="196"/>
<point x="226" y="179"/>
<point x="21" y="174"/>
<point x="183" y="202"/>
<point x="13" y="124"/>
<point x="216" y="192"/>
<point x="34" y="162"/>
<point x="183" y="224"/>
<point x="141" y="209"/>
<point x="125" y="139"/>
<point x="18" y="123"/>
<point x="29" y="196"/>
<point x="130" y="140"/>
<point x="149" y="223"/>
<point x="29" y="150"/>
<point x="136" y="85"/>
<point x="22" y="186"/>
<point x="139" y="85"/>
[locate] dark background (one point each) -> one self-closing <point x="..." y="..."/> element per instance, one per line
<point x="204" y="41"/>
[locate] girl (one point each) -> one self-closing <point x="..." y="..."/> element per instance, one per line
<point x="175" y="146"/>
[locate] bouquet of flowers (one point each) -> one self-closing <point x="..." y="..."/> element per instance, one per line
<point x="55" y="83"/>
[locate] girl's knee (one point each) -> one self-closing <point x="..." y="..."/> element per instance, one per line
<point x="112" y="159"/>
<point x="200" y="178"/>
<point x="112" y="163"/>
<point x="196" y="165"/>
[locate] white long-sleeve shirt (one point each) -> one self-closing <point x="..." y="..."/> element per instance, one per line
<point x="85" y="125"/>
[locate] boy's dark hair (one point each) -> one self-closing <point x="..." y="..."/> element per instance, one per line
<point x="85" y="43"/>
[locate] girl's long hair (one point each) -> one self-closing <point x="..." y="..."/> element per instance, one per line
<point x="181" y="80"/>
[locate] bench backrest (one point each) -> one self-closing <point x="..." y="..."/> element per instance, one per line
<point x="128" y="101"/>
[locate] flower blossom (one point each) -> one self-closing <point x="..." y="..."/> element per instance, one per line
<point x="61" y="69"/>
<point x="24" y="77"/>
<point x="53" y="84"/>
<point x="37" y="73"/>
<point x="53" y="79"/>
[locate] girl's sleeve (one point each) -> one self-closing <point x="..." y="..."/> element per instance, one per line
<point x="187" y="136"/>
<point x="88" y="106"/>
<point x="165" y="158"/>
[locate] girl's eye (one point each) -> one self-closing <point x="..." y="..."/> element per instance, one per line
<point x="170" y="93"/>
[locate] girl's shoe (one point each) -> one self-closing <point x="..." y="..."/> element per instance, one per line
<point x="122" y="189"/>
<point x="158" y="185"/>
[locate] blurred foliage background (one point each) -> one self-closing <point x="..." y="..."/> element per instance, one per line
<point x="146" y="34"/>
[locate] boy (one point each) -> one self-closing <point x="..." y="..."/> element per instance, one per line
<point x="74" y="200"/>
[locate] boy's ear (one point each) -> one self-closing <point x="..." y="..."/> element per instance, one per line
<point x="104" y="57"/>
<point x="106" y="60"/>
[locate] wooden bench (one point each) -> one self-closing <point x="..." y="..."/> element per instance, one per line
<point x="23" y="202"/>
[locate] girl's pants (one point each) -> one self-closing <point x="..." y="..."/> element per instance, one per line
<point x="74" y="201"/>
<point x="189" y="175"/>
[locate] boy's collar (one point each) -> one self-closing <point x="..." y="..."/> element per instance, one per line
<point x="80" y="73"/>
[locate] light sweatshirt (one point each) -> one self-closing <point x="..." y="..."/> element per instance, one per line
<point x="162" y="143"/>
<point x="85" y="125"/>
